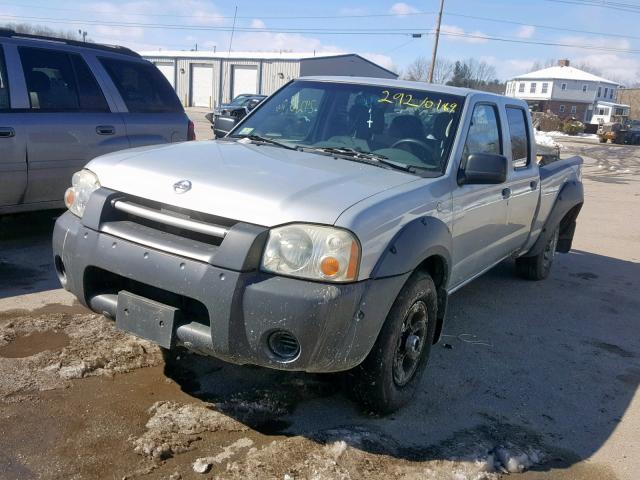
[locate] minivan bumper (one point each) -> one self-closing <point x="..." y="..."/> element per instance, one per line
<point x="227" y="314"/>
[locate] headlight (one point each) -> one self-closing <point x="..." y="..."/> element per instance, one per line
<point x="83" y="184"/>
<point x="312" y="251"/>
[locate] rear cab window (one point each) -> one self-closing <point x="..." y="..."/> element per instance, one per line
<point x="484" y="132"/>
<point x="142" y="86"/>
<point x="60" y="81"/>
<point x="519" y="134"/>
<point x="4" y="83"/>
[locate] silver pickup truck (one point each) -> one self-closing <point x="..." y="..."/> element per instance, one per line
<point x="325" y="233"/>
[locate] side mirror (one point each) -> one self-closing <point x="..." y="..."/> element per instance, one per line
<point x="483" y="168"/>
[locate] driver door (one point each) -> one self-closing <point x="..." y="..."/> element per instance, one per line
<point x="480" y="211"/>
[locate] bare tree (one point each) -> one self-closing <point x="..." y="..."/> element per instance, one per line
<point x="418" y="70"/>
<point x="42" y="30"/>
<point x="538" y="65"/>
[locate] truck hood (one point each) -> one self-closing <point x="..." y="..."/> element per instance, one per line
<point x="259" y="184"/>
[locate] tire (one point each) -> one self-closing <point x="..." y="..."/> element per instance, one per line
<point x="382" y="383"/>
<point x="539" y="266"/>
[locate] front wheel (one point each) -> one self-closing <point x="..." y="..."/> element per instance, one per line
<point x="539" y="266"/>
<point x="389" y="376"/>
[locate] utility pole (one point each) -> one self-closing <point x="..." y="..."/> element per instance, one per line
<point x="435" y="43"/>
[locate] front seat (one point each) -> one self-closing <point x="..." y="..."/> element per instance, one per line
<point x="39" y="88"/>
<point x="406" y="126"/>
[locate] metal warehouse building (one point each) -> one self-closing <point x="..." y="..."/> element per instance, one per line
<point x="202" y="79"/>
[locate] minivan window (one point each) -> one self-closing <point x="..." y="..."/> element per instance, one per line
<point x="143" y="87"/>
<point x="50" y="79"/>
<point x="516" y="118"/>
<point x="4" y="84"/>
<point x="91" y="97"/>
<point x="484" y="132"/>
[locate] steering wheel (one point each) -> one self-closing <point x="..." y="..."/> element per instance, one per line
<point x="428" y="150"/>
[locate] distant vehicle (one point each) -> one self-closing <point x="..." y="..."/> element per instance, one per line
<point x="64" y="102"/>
<point x="620" y="130"/>
<point x="227" y="115"/>
<point x="325" y="233"/>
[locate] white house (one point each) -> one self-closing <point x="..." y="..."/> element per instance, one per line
<point x="206" y="78"/>
<point x="567" y="92"/>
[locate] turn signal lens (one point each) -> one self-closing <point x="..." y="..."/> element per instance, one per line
<point x="329" y="266"/>
<point x="69" y="197"/>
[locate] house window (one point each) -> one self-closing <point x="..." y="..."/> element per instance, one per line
<point x="561" y="108"/>
<point x="606" y="91"/>
<point x="574" y="109"/>
<point x="532" y="89"/>
<point x="619" y="111"/>
<point x="584" y="88"/>
<point x="611" y="94"/>
<point x="599" y="91"/>
<point x="521" y="87"/>
<point x="601" y="111"/>
<point x="545" y="87"/>
<point x="563" y="86"/>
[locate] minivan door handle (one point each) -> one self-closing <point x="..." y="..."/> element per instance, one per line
<point x="7" y="132"/>
<point x="506" y="192"/>
<point x="105" y="130"/>
<point x="533" y="185"/>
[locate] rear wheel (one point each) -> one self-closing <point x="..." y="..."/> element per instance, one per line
<point x="389" y="376"/>
<point x="539" y="266"/>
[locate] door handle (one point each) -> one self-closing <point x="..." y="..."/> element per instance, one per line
<point x="105" y="130"/>
<point x="506" y="192"/>
<point x="533" y="185"/>
<point x="7" y="132"/>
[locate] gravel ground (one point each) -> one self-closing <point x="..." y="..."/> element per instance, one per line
<point x="533" y="377"/>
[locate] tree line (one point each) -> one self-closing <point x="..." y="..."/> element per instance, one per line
<point x="469" y="73"/>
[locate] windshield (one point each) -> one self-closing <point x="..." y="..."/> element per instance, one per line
<point x="411" y="127"/>
<point x="240" y="100"/>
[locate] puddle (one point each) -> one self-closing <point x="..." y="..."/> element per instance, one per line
<point x="34" y="343"/>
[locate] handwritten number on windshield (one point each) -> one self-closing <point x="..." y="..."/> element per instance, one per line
<point x="406" y="99"/>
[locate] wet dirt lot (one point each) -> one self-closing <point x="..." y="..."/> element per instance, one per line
<point x="538" y="375"/>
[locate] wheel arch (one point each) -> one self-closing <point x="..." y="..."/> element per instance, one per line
<point x="422" y="245"/>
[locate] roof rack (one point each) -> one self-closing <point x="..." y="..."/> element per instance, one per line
<point x="7" y="32"/>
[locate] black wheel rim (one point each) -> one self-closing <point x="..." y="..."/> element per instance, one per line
<point x="410" y="344"/>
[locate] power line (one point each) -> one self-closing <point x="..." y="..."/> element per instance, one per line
<point x="221" y="17"/>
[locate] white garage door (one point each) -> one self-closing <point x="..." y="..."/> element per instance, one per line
<point x="168" y="70"/>
<point x="201" y="85"/>
<point x="245" y="80"/>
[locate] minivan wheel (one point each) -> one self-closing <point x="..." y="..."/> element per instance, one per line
<point x="539" y="266"/>
<point x="389" y="376"/>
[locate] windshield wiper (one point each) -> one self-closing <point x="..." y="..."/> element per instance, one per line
<point x="367" y="157"/>
<point x="261" y="139"/>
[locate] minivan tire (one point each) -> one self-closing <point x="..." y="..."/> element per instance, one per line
<point x="383" y="382"/>
<point x="538" y="267"/>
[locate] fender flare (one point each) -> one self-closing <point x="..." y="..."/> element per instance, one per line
<point x="571" y="197"/>
<point x="411" y="246"/>
<point x="415" y="242"/>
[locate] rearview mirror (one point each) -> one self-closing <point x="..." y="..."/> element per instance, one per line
<point x="483" y="168"/>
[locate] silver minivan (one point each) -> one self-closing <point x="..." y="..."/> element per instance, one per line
<point x="64" y="102"/>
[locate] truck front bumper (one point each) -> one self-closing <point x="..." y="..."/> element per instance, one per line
<point x="226" y="313"/>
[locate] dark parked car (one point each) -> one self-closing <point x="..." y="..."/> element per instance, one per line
<point x="225" y="116"/>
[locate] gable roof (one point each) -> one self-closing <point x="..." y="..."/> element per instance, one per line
<point x="564" y="73"/>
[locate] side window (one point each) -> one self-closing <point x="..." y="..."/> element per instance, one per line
<point x="4" y="85"/>
<point x="50" y="79"/>
<point x="484" y="132"/>
<point x="143" y="87"/>
<point x="91" y="97"/>
<point x="519" y="134"/>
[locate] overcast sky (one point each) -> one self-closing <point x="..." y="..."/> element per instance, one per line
<point x="383" y="28"/>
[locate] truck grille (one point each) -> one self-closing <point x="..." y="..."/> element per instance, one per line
<point x="170" y="219"/>
<point x="164" y="227"/>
